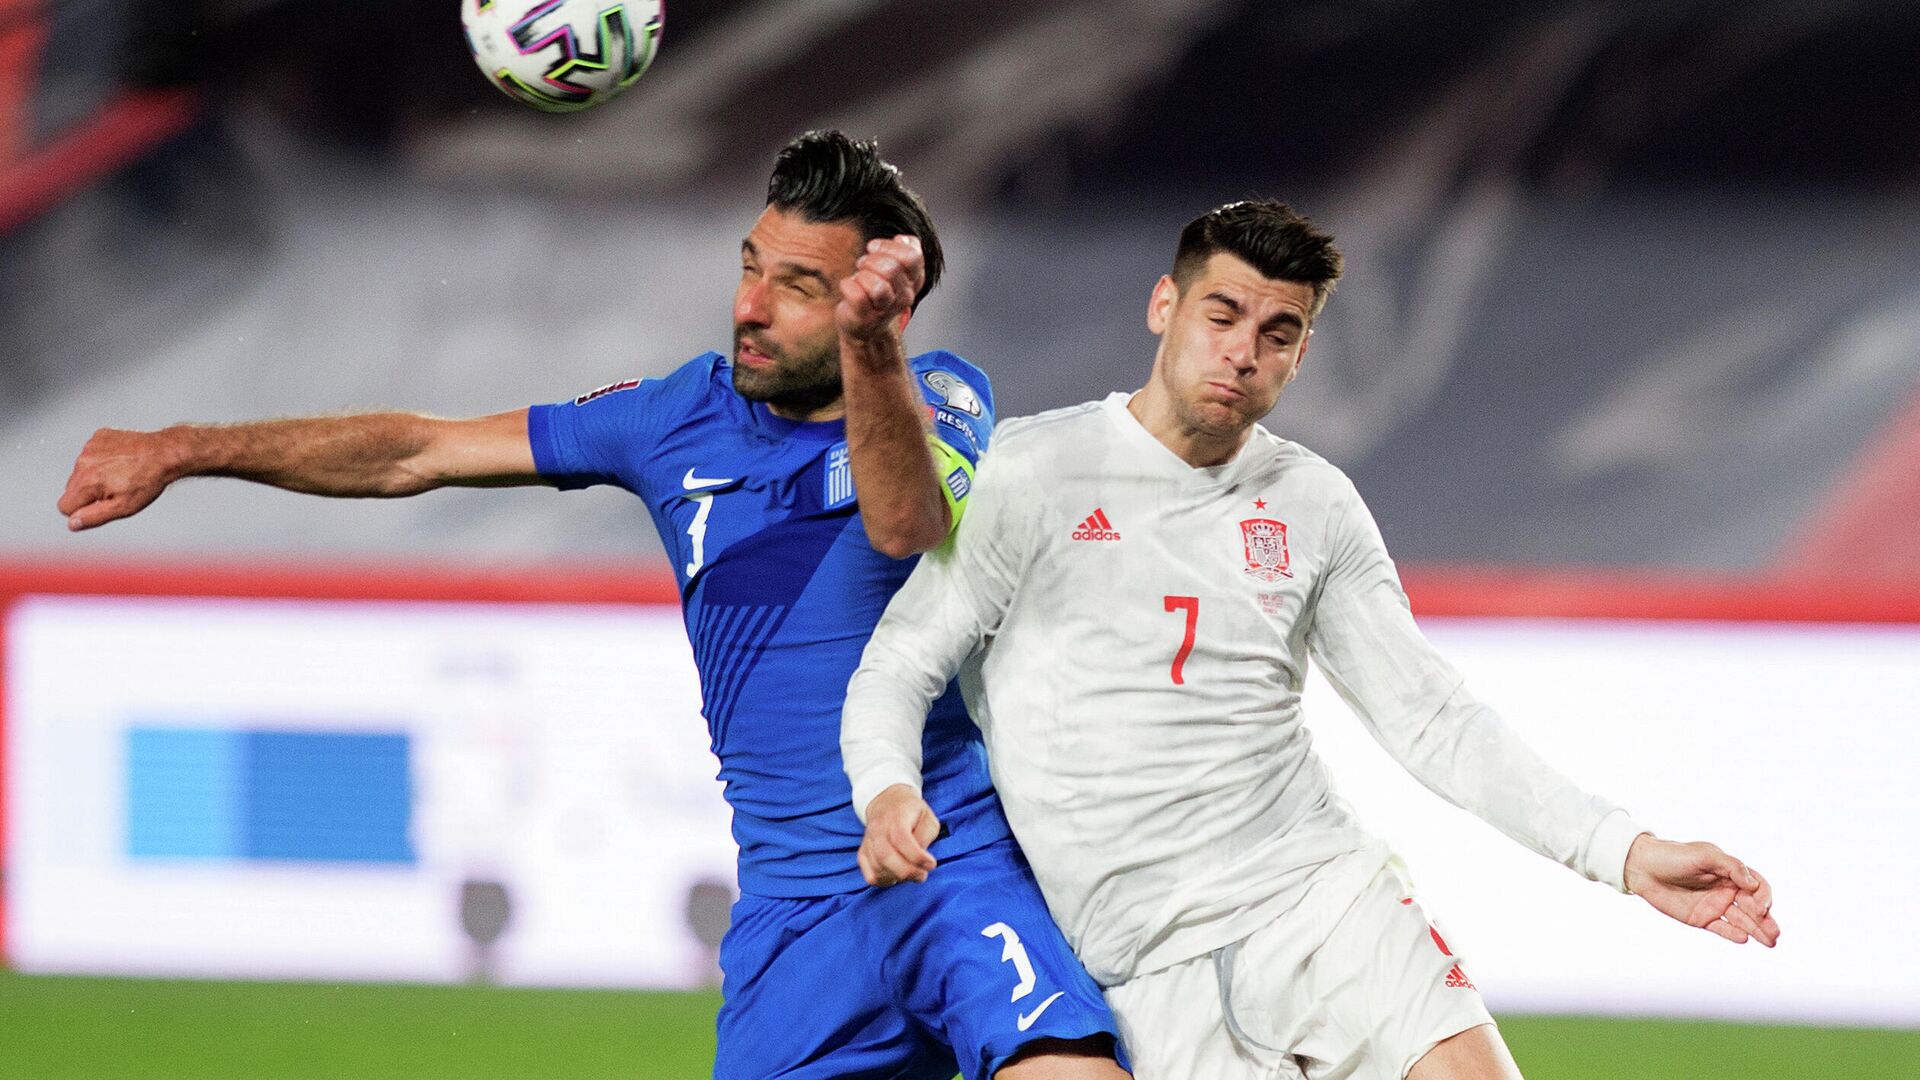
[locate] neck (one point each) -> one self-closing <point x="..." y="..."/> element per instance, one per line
<point x="832" y="410"/>
<point x="1194" y="445"/>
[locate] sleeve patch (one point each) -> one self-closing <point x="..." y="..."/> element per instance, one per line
<point x="957" y="424"/>
<point x="959" y="483"/>
<point x="954" y="392"/>
<point x="610" y="388"/>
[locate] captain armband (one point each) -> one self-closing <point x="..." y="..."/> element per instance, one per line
<point x="956" y="478"/>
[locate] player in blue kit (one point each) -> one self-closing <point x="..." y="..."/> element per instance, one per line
<point x="787" y="482"/>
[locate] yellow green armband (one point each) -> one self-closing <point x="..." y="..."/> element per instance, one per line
<point x="956" y="478"/>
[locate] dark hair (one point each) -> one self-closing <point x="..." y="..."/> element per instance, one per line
<point x="824" y="176"/>
<point x="1270" y="237"/>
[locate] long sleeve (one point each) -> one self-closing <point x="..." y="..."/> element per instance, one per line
<point x="950" y="606"/>
<point x="1413" y="702"/>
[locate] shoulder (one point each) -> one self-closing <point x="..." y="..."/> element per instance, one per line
<point x="1290" y="456"/>
<point x="703" y="376"/>
<point x="690" y="381"/>
<point x="1043" y="433"/>
<point x="947" y="379"/>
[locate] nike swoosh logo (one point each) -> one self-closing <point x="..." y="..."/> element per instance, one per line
<point x="1027" y="1019"/>
<point x="692" y="482"/>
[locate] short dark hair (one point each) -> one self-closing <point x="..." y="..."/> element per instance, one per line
<point x="825" y="176"/>
<point x="1270" y="237"/>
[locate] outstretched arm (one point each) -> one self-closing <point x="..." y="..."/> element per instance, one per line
<point x="893" y="470"/>
<point x="376" y="455"/>
<point x="1414" y="704"/>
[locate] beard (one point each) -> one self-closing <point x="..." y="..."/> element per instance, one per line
<point x="798" y="382"/>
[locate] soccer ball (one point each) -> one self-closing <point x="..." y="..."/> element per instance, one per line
<point x="562" y="55"/>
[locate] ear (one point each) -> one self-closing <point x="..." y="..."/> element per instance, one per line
<point x="1160" y="305"/>
<point x="905" y="317"/>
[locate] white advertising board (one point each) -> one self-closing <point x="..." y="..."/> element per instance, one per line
<point x="534" y="775"/>
<point x="556" y="752"/>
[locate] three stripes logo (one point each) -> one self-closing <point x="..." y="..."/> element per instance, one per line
<point x="1096" y="527"/>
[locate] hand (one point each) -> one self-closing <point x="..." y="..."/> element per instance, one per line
<point x="900" y="825"/>
<point x="117" y="475"/>
<point x="1702" y="886"/>
<point x="881" y="288"/>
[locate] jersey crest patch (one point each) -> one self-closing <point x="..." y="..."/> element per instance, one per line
<point x="610" y="388"/>
<point x="954" y="393"/>
<point x="839" y="479"/>
<point x="1264" y="541"/>
<point x="958" y="483"/>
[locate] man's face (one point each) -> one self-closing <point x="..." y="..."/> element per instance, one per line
<point x="1229" y="343"/>
<point x="786" y="349"/>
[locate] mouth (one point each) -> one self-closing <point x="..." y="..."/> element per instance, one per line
<point x="1226" y="391"/>
<point x="747" y="354"/>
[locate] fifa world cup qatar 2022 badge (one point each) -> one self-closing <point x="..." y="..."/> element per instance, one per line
<point x="1265" y="542"/>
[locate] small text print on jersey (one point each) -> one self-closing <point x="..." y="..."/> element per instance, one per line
<point x="1096" y="527"/>
<point x="954" y="421"/>
<point x="1265" y="542"/>
<point x="955" y="392"/>
<point x="610" y="388"/>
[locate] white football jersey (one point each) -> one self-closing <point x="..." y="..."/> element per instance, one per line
<point x="1134" y="634"/>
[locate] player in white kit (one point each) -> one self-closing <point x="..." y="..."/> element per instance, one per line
<point x="1131" y="603"/>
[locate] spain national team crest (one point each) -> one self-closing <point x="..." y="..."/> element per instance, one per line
<point x="1265" y="542"/>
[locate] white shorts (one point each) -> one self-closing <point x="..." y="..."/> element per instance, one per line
<point x="1380" y="991"/>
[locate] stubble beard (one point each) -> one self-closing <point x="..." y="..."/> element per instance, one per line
<point x="796" y="383"/>
<point x="1215" y="420"/>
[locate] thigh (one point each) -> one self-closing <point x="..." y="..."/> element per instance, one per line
<point x="976" y="958"/>
<point x="1175" y="1028"/>
<point x="1382" y="990"/>
<point x="803" y="1000"/>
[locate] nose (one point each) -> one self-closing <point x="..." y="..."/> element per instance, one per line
<point x="750" y="307"/>
<point x="1239" y="350"/>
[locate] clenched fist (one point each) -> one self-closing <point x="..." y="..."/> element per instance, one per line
<point x="117" y="475"/>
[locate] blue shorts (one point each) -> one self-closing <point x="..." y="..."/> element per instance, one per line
<point x="954" y="974"/>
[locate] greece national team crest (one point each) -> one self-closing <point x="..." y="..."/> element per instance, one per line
<point x="1265" y="542"/>
<point x="839" y="479"/>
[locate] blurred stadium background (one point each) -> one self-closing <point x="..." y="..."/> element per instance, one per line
<point x="1627" y="363"/>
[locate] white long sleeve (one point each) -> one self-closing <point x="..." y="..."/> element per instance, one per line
<point x="950" y="605"/>
<point x="1132" y="635"/>
<point x="1416" y="705"/>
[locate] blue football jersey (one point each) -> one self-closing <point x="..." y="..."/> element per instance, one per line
<point x="780" y="590"/>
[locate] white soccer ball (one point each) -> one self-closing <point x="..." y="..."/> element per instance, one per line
<point x="562" y="55"/>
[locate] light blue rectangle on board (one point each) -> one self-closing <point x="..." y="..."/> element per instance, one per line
<point x="184" y="793"/>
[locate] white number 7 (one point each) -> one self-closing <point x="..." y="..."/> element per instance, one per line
<point x="1015" y="952"/>
<point x="697" y="531"/>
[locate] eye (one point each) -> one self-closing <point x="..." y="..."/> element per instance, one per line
<point x="1279" y="341"/>
<point x="1219" y="320"/>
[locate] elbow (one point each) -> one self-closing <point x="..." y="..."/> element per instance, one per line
<point x="405" y="480"/>
<point x="903" y="541"/>
<point x="907" y="535"/>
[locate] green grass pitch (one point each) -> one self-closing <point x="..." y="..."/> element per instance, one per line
<point x="107" y="1029"/>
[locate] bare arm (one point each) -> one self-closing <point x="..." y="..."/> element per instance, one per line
<point x="893" y="470"/>
<point x="376" y="455"/>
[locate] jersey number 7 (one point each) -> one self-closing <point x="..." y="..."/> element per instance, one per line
<point x="1190" y="605"/>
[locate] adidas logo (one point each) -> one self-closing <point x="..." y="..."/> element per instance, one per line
<point x="1096" y="527"/>
<point x="1458" y="980"/>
